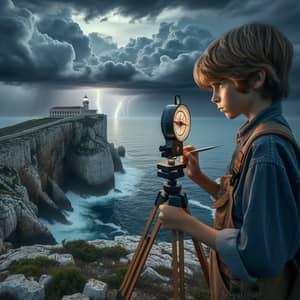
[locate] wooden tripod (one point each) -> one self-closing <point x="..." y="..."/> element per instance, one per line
<point x="171" y="193"/>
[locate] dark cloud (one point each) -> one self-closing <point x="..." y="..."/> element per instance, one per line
<point x="65" y="30"/>
<point x="25" y="53"/>
<point x="53" y="49"/>
<point x="101" y="44"/>
<point x="135" y="9"/>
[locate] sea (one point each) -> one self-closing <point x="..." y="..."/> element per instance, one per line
<point x="125" y="210"/>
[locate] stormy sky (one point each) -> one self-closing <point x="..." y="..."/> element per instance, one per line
<point x="53" y="52"/>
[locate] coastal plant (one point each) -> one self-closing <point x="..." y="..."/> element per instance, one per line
<point x="114" y="280"/>
<point x="65" y="280"/>
<point x="200" y="294"/>
<point x="33" y="267"/>
<point x="82" y="250"/>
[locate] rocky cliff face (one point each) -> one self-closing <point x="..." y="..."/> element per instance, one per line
<point x="37" y="163"/>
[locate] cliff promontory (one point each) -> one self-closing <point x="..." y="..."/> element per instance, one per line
<point x="36" y="166"/>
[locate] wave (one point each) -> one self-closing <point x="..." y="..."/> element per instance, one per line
<point x="85" y="223"/>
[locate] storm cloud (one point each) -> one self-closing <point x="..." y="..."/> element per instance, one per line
<point x="135" y="9"/>
<point x="40" y="43"/>
<point x="54" y="49"/>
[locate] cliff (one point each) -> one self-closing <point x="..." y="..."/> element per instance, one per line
<point x="41" y="161"/>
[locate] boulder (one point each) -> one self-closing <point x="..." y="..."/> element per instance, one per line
<point x="152" y="275"/>
<point x="58" y="195"/>
<point x="45" y="280"/>
<point x="121" y="151"/>
<point x="117" y="163"/>
<point x="22" y="288"/>
<point x="95" y="289"/>
<point x="77" y="296"/>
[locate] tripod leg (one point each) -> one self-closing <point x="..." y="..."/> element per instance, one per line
<point x="141" y="262"/>
<point x="181" y="265"/>
<point x="202" y="259"/>
<point x="201" y="256"/>
<point x="175" y="264"/>
<point x="138" y="252"/>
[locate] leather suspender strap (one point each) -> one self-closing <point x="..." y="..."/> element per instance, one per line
<point x="261" y="129"/>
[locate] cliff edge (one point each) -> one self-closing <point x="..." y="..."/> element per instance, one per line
<point x="36" y="166"/>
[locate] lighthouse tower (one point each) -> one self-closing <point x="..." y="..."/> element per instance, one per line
<point x="85" y="103"/>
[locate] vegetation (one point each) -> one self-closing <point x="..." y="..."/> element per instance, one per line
<point x="33" y="267"/>
<point x="114" y="280"/>
<point x="102" y="264"/>
<point x="82" y="250"/>
<point x="66" y="280"/>
<point x="200" y="294"/>
<point x="25" y="125"/>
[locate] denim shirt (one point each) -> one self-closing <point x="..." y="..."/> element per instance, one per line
<point x="266" y="205"/>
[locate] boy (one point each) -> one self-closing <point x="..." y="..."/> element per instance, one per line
<point x="256" y="236"/>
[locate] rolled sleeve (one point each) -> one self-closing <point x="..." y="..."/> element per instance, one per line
<point x="227" y="248"/>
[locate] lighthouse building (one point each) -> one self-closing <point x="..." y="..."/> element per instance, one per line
<point x="72" y="111"/>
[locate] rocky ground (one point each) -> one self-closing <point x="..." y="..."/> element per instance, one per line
<point x="102" y="275"/>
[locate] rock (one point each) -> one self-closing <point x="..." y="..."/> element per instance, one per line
<point x="33" y="252"/>
<point x="92" y="168"/>
<point x="44" y="155"/>
<point x="18" y="213"/>
<point x="160" y="254"/>
<point x="95" y="289"/>
<point x="152" y="275"/>
<point x="77" y="296"/>
<point x="90" y="159"/>
<point x="45" y="280"/>
<point x="124" y="261"/>
<point x="118" y="166"/>
<point x="121" y="151"/>
<point x="58" y="195"/>
<point x="22" y="288"/>
<point x="63" y="259"/>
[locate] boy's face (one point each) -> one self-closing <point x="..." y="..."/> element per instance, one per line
<point x="228" y="100"/>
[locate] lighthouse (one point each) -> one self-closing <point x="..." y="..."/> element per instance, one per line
<point x="72" y="111"/>
<point x="85" y="103"/>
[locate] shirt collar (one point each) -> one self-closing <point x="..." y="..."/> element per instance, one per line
<point x="269" y="113"/>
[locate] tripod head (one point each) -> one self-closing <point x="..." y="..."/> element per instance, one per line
<point x="175" y="126"/>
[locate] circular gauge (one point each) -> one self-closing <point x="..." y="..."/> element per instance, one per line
<point x="176" y="122"/>
<point x="181" y="122"/>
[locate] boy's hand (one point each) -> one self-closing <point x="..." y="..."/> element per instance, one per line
<point x="172" y="217"/>
<point x="191" y="160"/>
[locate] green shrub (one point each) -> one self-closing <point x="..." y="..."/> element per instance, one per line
<point x="66" y="280"/>
<point x="115" y="280"/>
<point x="82" y="250"/>
<point x="115" y="252"/>
<point x="200" y="294"/>
<point x="33" y="267"/>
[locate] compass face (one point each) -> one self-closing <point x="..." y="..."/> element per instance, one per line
<point x="181" y="122"/>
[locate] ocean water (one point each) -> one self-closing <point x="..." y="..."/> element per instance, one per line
<point x="126" y="209"/>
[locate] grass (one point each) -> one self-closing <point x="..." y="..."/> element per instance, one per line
<point x="25" y="125"/>
<point x="82" y="250"/>
<point x="66" y="280"/>
<point x="102" y="264"/>
<point x="33" y="267"/>
<point x="114" y="280"/>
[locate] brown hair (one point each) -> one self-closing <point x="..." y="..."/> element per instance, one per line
<point x="241" y="53"/>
